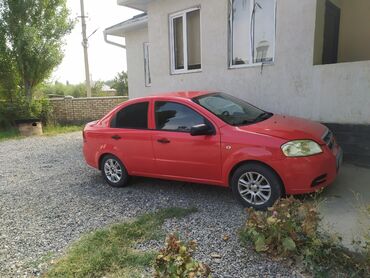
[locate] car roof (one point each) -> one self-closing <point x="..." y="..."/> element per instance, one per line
<point x="182" y="94"/>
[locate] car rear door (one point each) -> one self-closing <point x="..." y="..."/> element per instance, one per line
<point x="131" y="138"/>
<point x="177" y="153"/>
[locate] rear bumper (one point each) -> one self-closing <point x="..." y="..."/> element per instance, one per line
<point x="309" y="174"/>
<point x="89" y="156"/>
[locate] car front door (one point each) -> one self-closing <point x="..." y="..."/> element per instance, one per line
<point x="132" y="139"/>
<point x="178" y="153"/>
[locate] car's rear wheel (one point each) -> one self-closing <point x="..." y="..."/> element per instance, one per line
<point x="113" y="171"/>
<point x="256" y="185"/>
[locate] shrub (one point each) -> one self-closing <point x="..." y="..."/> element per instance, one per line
<point x="290" y="229"/>
<point x="176" y="261"/>
<point x="21" y="109"/>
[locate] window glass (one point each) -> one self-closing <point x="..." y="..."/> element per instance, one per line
<point x="232" y="110"/>
<point x="193" y="37"/>
<point x="178" y="42"/>
<point x="148" y="80"/>
<point x="264" y="31"/>
<point x="176" y="117"/>
<point x="241" y="32"/>
<point x="185" y="41"/>
<point x="251" y="31"/>
<point x="134" y="116"/>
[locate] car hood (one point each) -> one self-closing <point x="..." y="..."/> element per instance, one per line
<point x="289" y="128"/>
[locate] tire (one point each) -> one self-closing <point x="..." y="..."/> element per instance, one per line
<point x="256" y="186"/>
<point x="113" y="171"/>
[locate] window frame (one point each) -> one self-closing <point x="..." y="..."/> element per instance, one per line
<point x="147" y="75"/>
<point x="252" y="23"/>
<point x="182" y="14"/>
<point x="113" y="120"/>
<point x="178" y="103"/>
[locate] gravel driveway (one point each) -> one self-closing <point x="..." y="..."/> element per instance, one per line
<point x="49" y="197"/>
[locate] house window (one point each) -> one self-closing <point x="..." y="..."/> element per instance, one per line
<point x="148" y="79"/>
<point x="185" y="41"/>
<point x="251" y="32"/>
<point x="341" y="32"/>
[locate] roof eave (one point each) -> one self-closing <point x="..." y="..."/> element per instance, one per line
<point x="121" y="29"/>
<point x="141" y="5"/>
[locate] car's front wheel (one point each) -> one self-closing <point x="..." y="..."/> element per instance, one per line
<point x="256" y="185"/>
<point x="113" y="171"/>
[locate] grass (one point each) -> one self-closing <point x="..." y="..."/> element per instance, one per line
<point x="9" y="134"/>
<point x="111" y="252"/>
<point x="59" y="129"/>
<point x="50" y="130"/>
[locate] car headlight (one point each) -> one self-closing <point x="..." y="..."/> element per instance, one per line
<point x="299" y="148"/>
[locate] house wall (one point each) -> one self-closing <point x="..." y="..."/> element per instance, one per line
<point x="354" y="34"/>
<point x="135" y="62"/>
<point x="337" y="93"/>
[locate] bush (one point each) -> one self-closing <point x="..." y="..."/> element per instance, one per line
<point x="21" y="109"/>
<point x="290" y="229"/>
<point x="176" y="261"/>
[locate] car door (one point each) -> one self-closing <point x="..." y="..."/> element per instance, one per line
<point x="177" y="153"/>
<point x="131" y="138"/>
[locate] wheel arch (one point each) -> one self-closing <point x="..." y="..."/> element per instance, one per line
<point x="101" y="157"/>
<point x="236" y="166"/>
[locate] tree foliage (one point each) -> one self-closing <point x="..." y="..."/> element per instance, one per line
<point x="31" y="41"/>
<point x="120" y="84"/>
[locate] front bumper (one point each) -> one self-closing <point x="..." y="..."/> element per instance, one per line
<point x="309" y="174"/>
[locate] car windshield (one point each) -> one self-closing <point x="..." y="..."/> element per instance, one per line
<point x="232" y="110"/>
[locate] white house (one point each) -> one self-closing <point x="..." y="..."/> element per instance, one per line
<point x="308" y="58"/>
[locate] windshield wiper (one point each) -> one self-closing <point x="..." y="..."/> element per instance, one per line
<point x="263" y="116"/>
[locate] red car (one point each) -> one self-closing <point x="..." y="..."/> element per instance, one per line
<point x="213" y="138"/>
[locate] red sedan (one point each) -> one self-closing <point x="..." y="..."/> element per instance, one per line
<point x="213" y="138"/>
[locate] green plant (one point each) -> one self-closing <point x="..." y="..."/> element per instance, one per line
<point x="283" y="228"/>
<point x="33" y="33"/>
<point x="22" y="109"/>
<point x="176" y="261"/>
<point x="290" y="229"/>
<point x="111" y="252"/>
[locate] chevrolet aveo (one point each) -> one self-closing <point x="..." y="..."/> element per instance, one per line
<point x="213" y="138"/>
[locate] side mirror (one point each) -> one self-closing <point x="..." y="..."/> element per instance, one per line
<point x="202" y="129"/>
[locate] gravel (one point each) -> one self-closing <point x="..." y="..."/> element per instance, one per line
<point x="49" y="197"/>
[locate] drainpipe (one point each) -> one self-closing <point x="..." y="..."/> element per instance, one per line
<point x="111" y="42"/>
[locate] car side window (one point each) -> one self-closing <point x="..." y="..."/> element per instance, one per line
<point x="134" y="116"/>
<point x="173" y="116"/>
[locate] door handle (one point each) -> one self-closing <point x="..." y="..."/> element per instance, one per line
<point x="163" y="141"/>
<point x="116" y="137"/>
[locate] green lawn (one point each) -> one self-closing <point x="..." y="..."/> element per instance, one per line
<point x="111" y="252"/>
<point x="58" y="129"/>
<point x="49" y="130"/>
<point x="9" y="134"/>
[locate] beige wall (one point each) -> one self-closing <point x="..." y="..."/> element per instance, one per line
<point x="354" y="35"/>
<point x="331" y="93"/>
<point x="135" y="62"/>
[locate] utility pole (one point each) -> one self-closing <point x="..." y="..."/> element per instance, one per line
<point x="85" y="46"/>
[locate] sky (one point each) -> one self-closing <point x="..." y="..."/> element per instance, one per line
<point x="105" y="60"/>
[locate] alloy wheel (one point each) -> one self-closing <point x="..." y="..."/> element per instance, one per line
<point x="254" y="188"/>
<point x="113" y="170"/>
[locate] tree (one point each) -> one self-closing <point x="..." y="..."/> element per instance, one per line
<point x="33" y="33"/>
<point x="8" y="75"/>
<point x="120" y="83"/>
